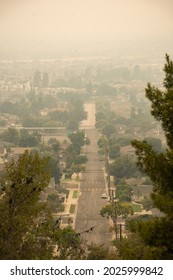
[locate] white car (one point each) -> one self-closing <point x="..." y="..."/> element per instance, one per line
<point x="104" y="196"/>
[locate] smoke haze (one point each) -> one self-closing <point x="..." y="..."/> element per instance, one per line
<point x="59" y="23"/>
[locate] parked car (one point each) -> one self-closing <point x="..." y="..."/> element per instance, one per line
<point x="104" y="196"/>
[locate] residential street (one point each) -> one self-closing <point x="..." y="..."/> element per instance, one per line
<point x="92" y="186"/>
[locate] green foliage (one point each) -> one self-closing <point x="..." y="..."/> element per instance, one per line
<point x="162" y="103"/>
<point x="52" y="141"/>
<point x="72" y="125"/>
<point x="102" y="142"/>
<point x="54" y="203"/>
<point x="72" y="208"/>
<point x="56" y="146"/>
<point x="68" y="244"/>
<point x="76" y="112"/>
<point x="156" y="143"/>
<point x="22" y="139"/>
<point x="120" y="141"/>
<point x="24" y="222"/>
<point x="87" y="141"/>
<point x="35" y="121"/>
<point x="27" y="229"/>
<point x="80" y="159"/>
<point x="53" y="166"/>
<point x="136" y="207"/>
<point x="68" y="173"/>
<point x="133" y="248"/>
<point x="77" y="139"/>
<point x="124" y="192"/>
<point x="9" y="107"/>
<point x="99" y="252"/>
<point x="108" y="130"/>
<point x="75" y="194"/>
<point x="105" y="118"/>
<point x="147" y="204"/>
<point x="168" y="69"/>
<point x="115" y="210"/>
<point x="157" y="234"/>
<point x="10" y="135"/>
<point x="61" y="117"/>
<point x="158" y="166"/>
<point x="161" y="230"/>
<point x="77" y="168"/>
<point x="124" y="167"/>
<point x="28" y="141"/>
<point x="114" y="151"/>
<point x="72" y="153"/>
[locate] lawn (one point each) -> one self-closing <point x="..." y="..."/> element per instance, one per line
<point x="72" y="208"/>
<point x="136" y="207"/>
<point x="75" y="194"/>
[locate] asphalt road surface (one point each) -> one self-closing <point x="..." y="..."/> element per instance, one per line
<point x="93" y="228"/>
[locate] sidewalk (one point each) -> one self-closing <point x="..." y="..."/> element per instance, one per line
<point x="71" y="203"/>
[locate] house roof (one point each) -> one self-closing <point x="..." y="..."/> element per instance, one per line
<point x="143" y="190"/>
<point x="19" y="150"/>
<point x="127" y="149"/>
<point x="156" y="212"/>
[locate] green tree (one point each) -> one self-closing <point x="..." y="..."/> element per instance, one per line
<point x="10" y="135"/>
<point x="156" y="143"/>
<point x="78" y="140"/>
<point x="157" y="234"/>
<point x="28" y="141"/>
<point x="55" y="203"/>
<point x="124" y="192"/>
<point x="68" y="244"/>
<point x="59" y="116"/>
<point x="124" y="166"/>
<point x="114" y="151"/>
<point x="24" y="223"/>
<point x="72" y="125"/>
<point x="77" y="168"/>
<point x="168" y="69"/>
<point x="99" y="252"/>
<point x="102" y="142"/>
<point x="56" y="146"/>
<point x="8" y="107"/>
<point x="80" y="159"/>
<point x="27" y="229"/>
<point x="108" y="130"/>
<point x="54" y="168"/>
<point x="131" y="248"/>
<point x="76" y="112"/>
<point x="115" y="210"/>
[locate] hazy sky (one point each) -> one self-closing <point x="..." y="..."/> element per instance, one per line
<point x="47" y="22"/>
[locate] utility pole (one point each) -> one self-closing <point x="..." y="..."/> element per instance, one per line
<point x="107" y="162"/>
<point x="108" y="171"/>
<point x="120" y="232"/>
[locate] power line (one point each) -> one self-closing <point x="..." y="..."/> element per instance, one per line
<point x="86" y="231"/>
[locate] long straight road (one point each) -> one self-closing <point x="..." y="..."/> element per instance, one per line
<point x="91" y="188"/>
